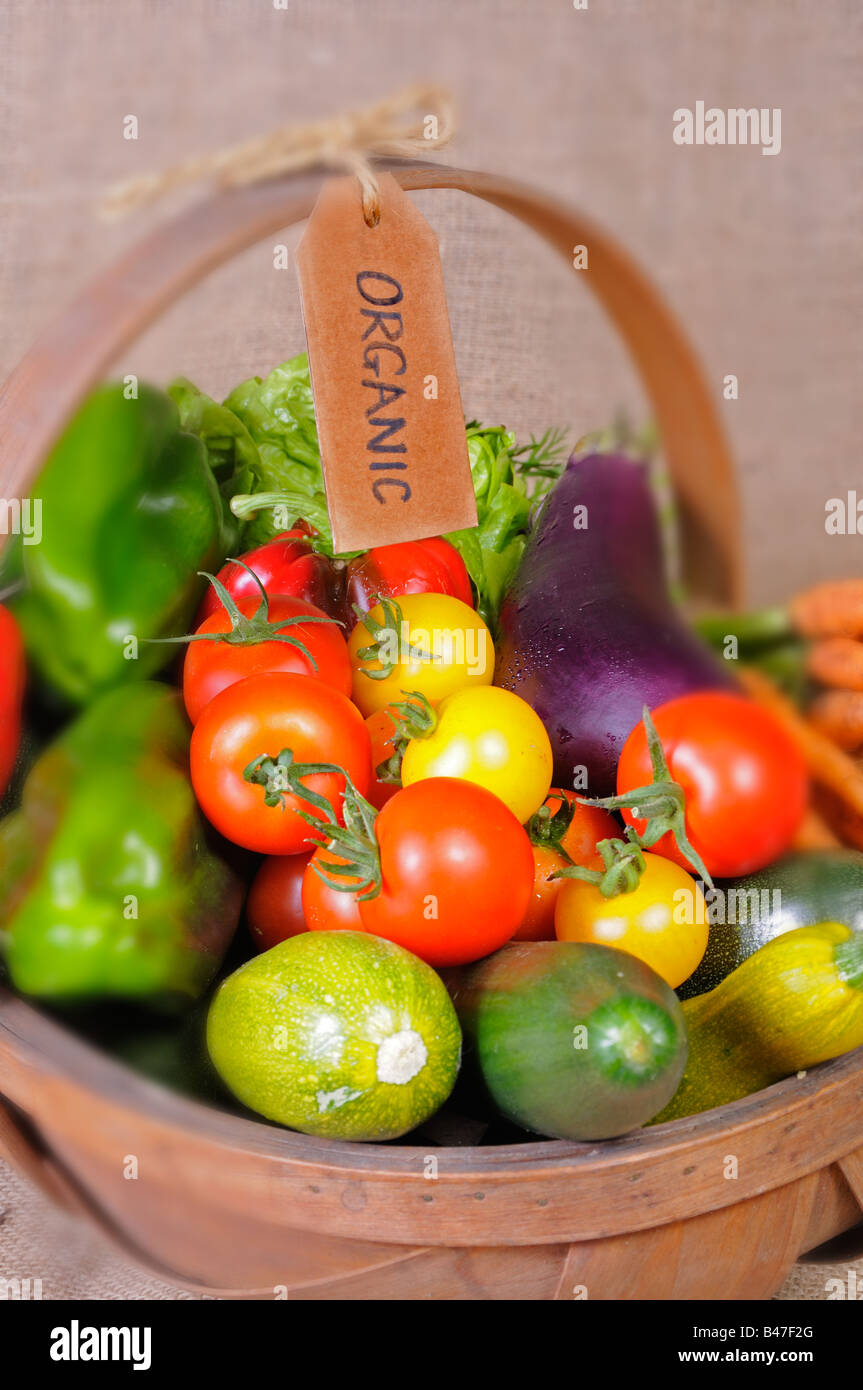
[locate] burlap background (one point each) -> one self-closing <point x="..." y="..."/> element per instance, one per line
<point x="760" y="256"/>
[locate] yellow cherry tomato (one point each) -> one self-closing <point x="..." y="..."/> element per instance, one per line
<point x="663" y="920"/>
<point x="491" y="737"/>
<point x="432" y="643"/>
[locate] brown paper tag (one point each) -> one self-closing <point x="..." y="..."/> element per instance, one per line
<point x="389" y="413"/>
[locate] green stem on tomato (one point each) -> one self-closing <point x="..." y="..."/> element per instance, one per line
<point x="623" y="863"/>
<point x="547" y="828"/>
<point x="248" y="632"/>
<point x="386" y="646"/>
<point x="411" y="718"/>
<point x="354" y="841"/>
<point x="662" y="803"/>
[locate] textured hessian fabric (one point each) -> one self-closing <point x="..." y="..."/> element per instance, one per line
<point x="760" y="256"/>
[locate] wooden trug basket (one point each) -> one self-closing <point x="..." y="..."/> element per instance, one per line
<point x="239" y="1208"/>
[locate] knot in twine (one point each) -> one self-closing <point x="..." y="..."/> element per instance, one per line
<point x="404" y="125"/>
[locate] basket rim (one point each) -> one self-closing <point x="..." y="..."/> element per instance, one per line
<point x="79" y="1106"/>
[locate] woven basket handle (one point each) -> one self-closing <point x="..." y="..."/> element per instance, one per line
<point x="20" y="1147"/>
<point x="81" y="344"/>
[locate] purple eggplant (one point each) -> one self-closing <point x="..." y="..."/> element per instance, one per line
<point x="588" y="633"/>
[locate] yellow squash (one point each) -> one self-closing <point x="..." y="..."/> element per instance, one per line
<point x="796" y="1002"/>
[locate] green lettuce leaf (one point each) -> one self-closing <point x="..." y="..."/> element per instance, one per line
<point x="231" y="451"/>
<point x="279" y="413"/>
<point x="507" y="481"/>
<point x="230" y="448"/>
<point x="267" y="425"/>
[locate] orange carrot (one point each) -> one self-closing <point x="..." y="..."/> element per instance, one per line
<point x="828" y="765"/>
<point x="834" y="609"/>
<point x="815" y="833"/>
<point x="847" y="823"/>
<point x="837" y="661"/>
<point x="839" y="715"/>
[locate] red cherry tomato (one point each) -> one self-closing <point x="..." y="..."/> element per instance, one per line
<point x="258" y="718"/>
<point x="456" y="870"/>
<point x="382" y="732"/>
<point x="431" y="566"/>
<point x="326" y="908"/>
<point x="274" y="909"/>
<point x="287" y="565"/>
<point x="12" y="673"/>
<point x="744" y="780"/>
<point x="588" y="826"/>
<point x="211" y="666"/>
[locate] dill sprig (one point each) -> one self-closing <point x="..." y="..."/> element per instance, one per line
<point x="544" y="457"/>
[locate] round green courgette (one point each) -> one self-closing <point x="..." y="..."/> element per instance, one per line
<point x="336" y="1033"/>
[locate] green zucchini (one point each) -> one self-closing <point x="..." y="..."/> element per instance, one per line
<point x="796" y="1002"/>
<point x="797" y="891"/>
<point x="572" y="1040"/>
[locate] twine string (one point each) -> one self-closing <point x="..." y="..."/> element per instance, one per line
<point x="395" y="128"/>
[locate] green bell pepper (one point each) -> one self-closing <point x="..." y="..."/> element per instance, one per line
<point x="131" y="511"/>
<point x="110" y="885"/>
